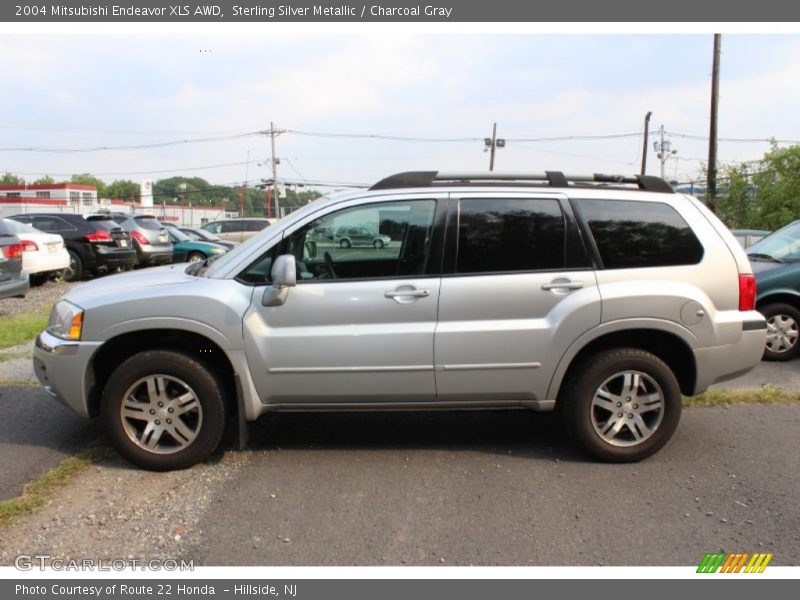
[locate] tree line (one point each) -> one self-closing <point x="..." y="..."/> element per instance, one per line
<point x="197" y="192"/>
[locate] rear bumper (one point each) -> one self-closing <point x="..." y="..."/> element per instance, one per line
<point x="15" y="287"/>
<point x="44" y="262"/>
<point x="721" y="363"/>
<point x="112" y="256"/>
<point x="154" y="254"/>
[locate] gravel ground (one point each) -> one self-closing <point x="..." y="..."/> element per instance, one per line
<point x="38" y="299"/>
<point x="114" y="511"/>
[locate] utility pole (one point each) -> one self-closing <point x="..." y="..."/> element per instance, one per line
<point x="241" y="195"/>
<point x="711" y="193"/>
<point x="646" y="136"/>
<point x="491" y="144"/>
<point x="663" y="150"/>
<point x="275" y="163"/>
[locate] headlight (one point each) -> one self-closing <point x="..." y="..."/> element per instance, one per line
<point x="66" y="321"/>
<point x="218" y="250"/>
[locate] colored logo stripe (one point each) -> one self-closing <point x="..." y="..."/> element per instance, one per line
<point x="733" y="563"/>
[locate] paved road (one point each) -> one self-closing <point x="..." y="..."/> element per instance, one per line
<point x="502" y="489"/>
<point x="36" y="433"/>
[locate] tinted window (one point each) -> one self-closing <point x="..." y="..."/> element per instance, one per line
<point x="255" y="225"/>
<point x="52" y="224"/>
<point x="213" y="227"/>
<point x="500" y="235"/>
<point x="631" y="234"/>
<point x="231" y="226"/>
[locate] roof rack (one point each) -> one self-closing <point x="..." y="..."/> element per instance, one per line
<point x="407" y="179"/>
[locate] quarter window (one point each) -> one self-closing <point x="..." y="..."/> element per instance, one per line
<point x="511" y="234"/>
<point x="632" y="234"/>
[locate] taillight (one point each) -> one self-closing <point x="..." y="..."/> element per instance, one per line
<point x="29" y="246"/>
<point x="747" y="292"/>
<point x="99" y="236"/>
<point x="139" y="238"/>
<point x="13" y="251"/>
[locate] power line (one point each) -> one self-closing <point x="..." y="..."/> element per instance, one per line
<point x="704" y="138"/>
<point x="135" y="146"/>
<point x="82" y="129"/>
<point x="146" y="172"/>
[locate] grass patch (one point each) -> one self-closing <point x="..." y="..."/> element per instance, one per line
<point x="22" y="328"/>
<point x="4" y="356"/>
<point x="15" y="381"/>
<point x="766" y="394"/>
<point x="36" y="493"/>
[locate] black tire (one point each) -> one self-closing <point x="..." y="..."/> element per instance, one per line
<point x="39" y="279"/>
<point x="183" y="368"/>
<point x="786" y="317"/>
<point x="75" y="270"/>
<point x="196" y="257"/>
<point x="581" y="418"/>
<point x="345" y="243"/>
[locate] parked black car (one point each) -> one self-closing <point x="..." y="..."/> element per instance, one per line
<point x="13" y="282"/>
<point x="92" y="247"/>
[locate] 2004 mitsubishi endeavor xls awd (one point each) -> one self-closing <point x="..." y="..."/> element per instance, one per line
<point x="604" y="297"/>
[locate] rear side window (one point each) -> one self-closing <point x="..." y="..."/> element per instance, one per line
<point x="148" y="223"/>
<point x="52" y="224"/>
<point x="502" y="235"/>
<point x="255" y="225"/>
<point x="231" y="226"/>
<point x="635" y="234"/>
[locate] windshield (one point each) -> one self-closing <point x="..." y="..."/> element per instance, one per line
<point x="782" y="245"/>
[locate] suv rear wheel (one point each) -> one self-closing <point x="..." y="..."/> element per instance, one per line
<point x="622" y="405"/>
<point x="163" y="410"/>
<point x="782" y="331"/>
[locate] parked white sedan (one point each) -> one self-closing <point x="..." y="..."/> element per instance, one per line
<point x="43" y="254"/>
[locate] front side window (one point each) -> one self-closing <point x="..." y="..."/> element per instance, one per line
<point x="500" y="235"/>
<point x="213" y="227"/>
<point x="395" y="242"/>
<point x="632" y="234"/>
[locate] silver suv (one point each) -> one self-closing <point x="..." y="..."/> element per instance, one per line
<point x="605" y="297"/>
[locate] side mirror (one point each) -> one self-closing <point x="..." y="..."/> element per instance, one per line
<point x="284" y="276"/>
<point x="284" y="271"/>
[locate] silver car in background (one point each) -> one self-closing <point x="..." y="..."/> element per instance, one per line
<point x="608" y="297"/>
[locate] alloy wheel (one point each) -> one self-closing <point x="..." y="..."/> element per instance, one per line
<point x="627" y="408"/>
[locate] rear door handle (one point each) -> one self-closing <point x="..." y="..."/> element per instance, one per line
<point x="562" y="284"/>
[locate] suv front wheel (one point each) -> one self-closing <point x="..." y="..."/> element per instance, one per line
<point x="622" y="405"/>
<point x="163" y="410"/>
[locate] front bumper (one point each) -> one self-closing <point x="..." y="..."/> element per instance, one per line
<point x="61" y="368"/>
<point x="721" y="363"/>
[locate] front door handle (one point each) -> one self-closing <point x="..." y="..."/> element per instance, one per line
<point x="406" y="294"/>
<point x="562" y="284"/>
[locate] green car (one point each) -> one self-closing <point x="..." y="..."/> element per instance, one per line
<point x="776" y="264"/>
<point x="185" y="249"/>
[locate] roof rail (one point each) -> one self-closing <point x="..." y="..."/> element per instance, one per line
<point x="408" y="179"/>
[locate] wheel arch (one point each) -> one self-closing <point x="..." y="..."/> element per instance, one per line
<point x="779" y="297"/>
<point x="121" y="347"/>
<point x="670" y="346"/>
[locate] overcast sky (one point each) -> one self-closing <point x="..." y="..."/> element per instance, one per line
<point x="78" y="91"/>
